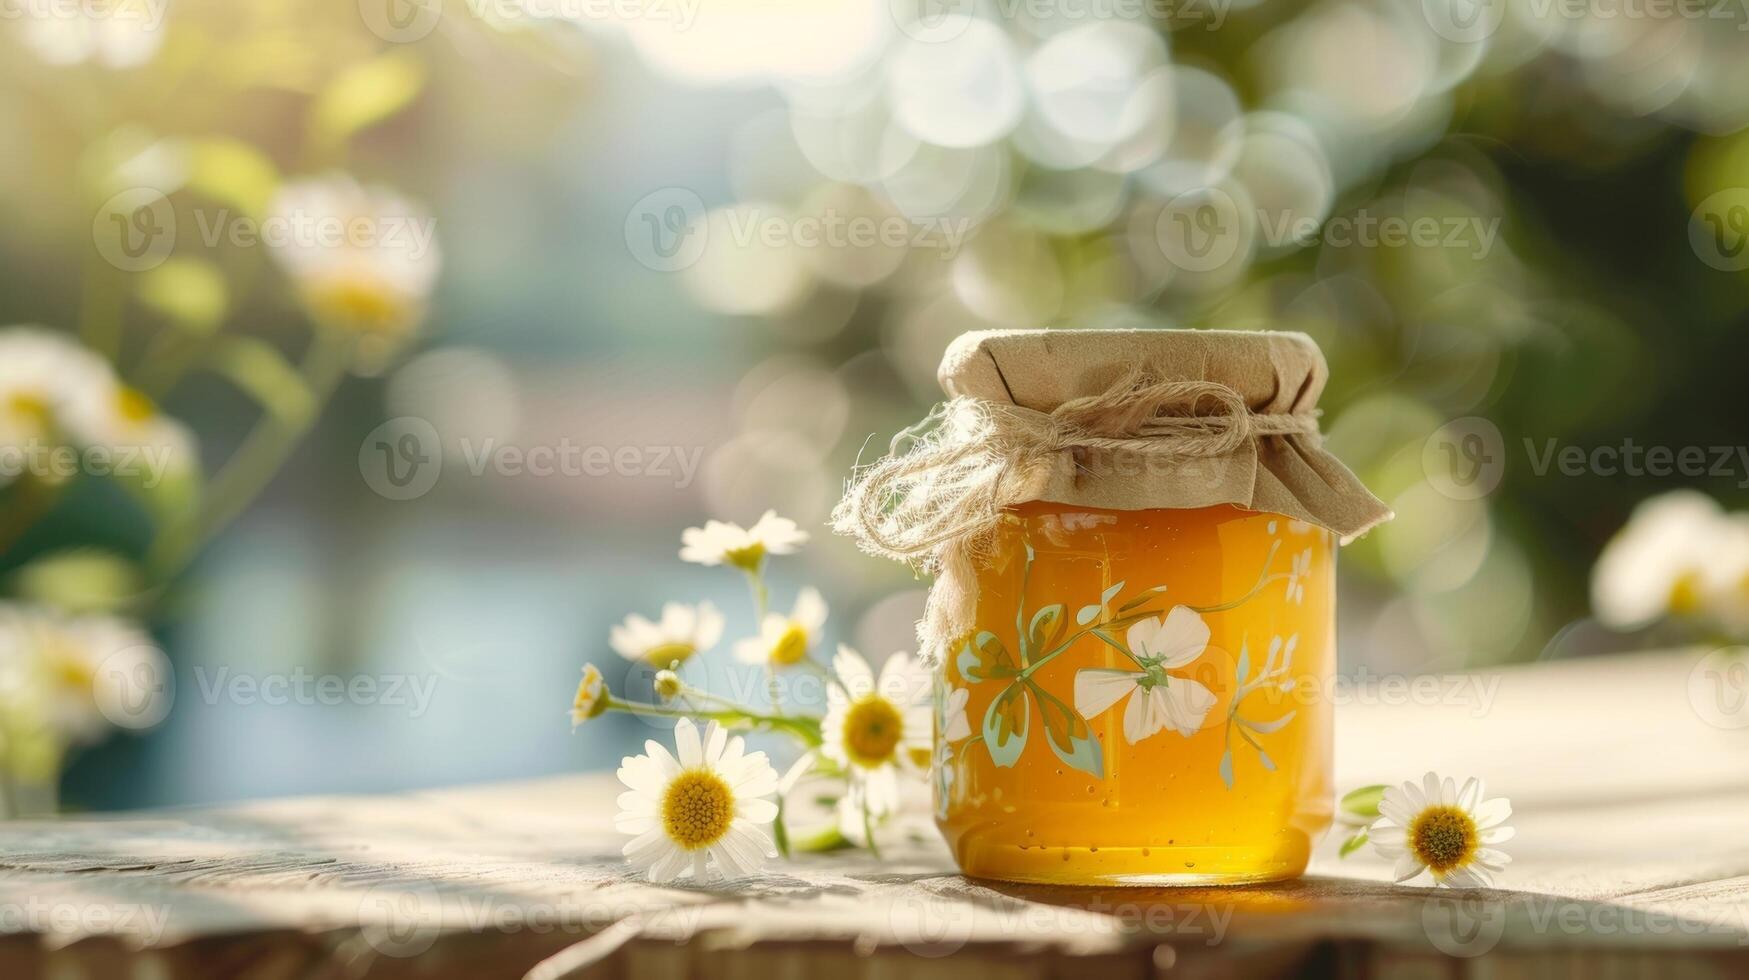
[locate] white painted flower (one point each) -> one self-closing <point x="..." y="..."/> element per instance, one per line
<point x="1298" y="571"/>
<point x="362" y="259"/>
<point x="701" y="805"/>
<point x="83" y="675"/>
<point x="682" y="631"/>
<point x="113" y="34"/>
<point x="952" y="718"/>
<point x="784" y="641"/>
<point x="720" y="542"/>
<point x="1657" y="563"/>
<point x="1441" y="829"/>
<point x="1157" y="699"/>
<point x="591" y="697"/>
<point x="877" y="729"/>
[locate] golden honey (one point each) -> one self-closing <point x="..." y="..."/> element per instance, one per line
<point x="1141" y="700"/>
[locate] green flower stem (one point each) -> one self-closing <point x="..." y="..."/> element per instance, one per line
<point x="100" y="308"/>
<point x="32" y="499"/>
<point x="761" y="595"/>
<point x="255" y="462"/>
<point x="807" y="730"/>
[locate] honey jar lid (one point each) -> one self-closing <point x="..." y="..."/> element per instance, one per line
<point x="1281" y="467"/>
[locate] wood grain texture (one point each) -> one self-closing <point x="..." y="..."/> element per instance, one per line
<point x="1631" y="860"/>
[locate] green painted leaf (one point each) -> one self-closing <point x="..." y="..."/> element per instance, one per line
<point x="1069" y="737"/>
<point x="1047" y="627"/>
<point x="1227" y="768"/>
<point x="1006" y="724"/>
<point x="1243" y="670"/>
<point x="1353" y="844"/>
<point x="984" y="658"/>
<point x="1363" y="802"/>
<point x="1109" y="594"/>
<point x="1086" y="614"/>
<point x="1145" y="597"/>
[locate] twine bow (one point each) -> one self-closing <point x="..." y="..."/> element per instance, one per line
<point x="937" y="503"/>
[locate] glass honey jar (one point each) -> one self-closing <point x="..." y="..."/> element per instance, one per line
<point x="1133" y="620"/>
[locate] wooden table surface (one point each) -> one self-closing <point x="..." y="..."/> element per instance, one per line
<point x="1629" y="778"/>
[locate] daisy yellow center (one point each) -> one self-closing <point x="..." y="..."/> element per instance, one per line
<point x="1443" y="837"/>
<point x="791" y="647"/>
<point x="1685" y="593"/>
<point x="360" y="304"/>
<point x="663" y="654"/>
<point x="871" y="731"/>
<point x="69" y="670"/>
<point x="697" y="809"/>
<point x="133" y="406"/>
<point x="29" y="407"/>
<point x="747" y="558"/>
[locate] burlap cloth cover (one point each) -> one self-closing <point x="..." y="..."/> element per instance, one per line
<point x="1116" y="419"/>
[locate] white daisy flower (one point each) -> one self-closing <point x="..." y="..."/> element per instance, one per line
<point x="876" y="729"/>
<point x="703" y="804"/>
<point x="1298" y="570"/>
<point x="46" y="378"/>
<point x="951" y="720"/>
<point x="720" y="542"/>
<point x="1447" y="831"/>
<point x="363" y="259"/>
<point x="784" y="641"/>
<point x="591" y="698"/>
<point x="84" y="674"/>
<point x="116" y="34"/>
<point x="683" y="631"/>
<point x="1724" y="581"/>
<point x="1656" y="564"/>
<point x="125" y="420"/>
<point x="1157" y="699"/>
<point x="668" y="685"/>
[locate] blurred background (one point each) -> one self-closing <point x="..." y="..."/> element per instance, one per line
<point x="413" y="332"/>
